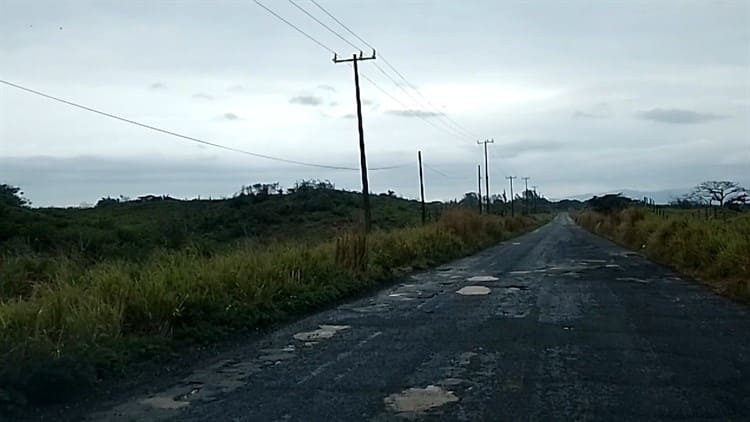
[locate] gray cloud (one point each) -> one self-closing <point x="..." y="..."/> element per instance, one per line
<point x="349" y="116"/>
<point x="236" y="88"/>
<point x="327" y="88"/>
<point x="677" y="116"/>
<point x="516" y="148"/>
<point x="333" y="104"/>
<point x="230" y="116"/>
<point x="308" y="100"/>
<point x="598" y="111"/>
<point x="367" y="102"/>
<point x="202" y="96"/>
<point x="157" y="86"/>
<point x="413" y="113"/>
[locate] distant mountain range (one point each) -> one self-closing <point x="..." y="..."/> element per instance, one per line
<point x="664" y="196"/>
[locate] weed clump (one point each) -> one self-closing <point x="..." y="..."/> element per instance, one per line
<point x="717" y="251"/>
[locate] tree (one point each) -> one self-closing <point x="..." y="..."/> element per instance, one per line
<point x="12" y="196"/>
<point x="470" y="200"/>
<point x="610" y="203"/>
<point x="722" y="192"/>
<point x="106" y="202"/>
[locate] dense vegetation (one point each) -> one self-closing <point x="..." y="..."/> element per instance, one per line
<point x="715" y="250"/>
<point x="85" y="292"/>
<point x="37" y="245"/>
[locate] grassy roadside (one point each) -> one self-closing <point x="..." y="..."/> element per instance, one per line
<point x="716" y="252"/>
<point x="77" y="328"/>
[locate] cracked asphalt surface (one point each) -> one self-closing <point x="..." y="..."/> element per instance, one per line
<point x="557" y="324"/>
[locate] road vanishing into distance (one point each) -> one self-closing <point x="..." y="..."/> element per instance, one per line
<point x="557" y="324"/>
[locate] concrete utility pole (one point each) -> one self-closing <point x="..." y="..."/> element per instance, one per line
<point x="479" y="186"/>
<point x="421" y="186"/>
<point x="486" y="172"/>
<point x="362" y="158"/>
<point x="526" y="193"/>
<point x="512" y="208"/>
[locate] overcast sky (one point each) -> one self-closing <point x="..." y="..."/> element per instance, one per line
<point x="583" y="97"/>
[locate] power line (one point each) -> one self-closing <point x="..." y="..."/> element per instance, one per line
<point x="323" y="24"/>
<point x="393" y="68"/>
<point x="437" y="171"/>
<point x="438" y="113"/>
<point x="441" y="173"/>
<point x="381" y="89"/>
<point x="356" y="47"/>
<point x="341" y="37"/>
<point x="189" y="138"/>
<point x="310" y="37"/>
<point x="342" y="24"/>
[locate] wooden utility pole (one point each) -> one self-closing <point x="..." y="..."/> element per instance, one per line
<point x="486" y="173"/>
<point x="421" y="186"/>
<point x="479" y="186"/>
<point x="526" y="193"/>
<point x="362" y="158"/>
<point x="512" y="208"/>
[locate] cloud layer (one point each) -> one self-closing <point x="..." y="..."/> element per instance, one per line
<point x="307" y="100"/>
<point x="678" y="116"/>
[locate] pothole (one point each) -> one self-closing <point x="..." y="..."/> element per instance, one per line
<point x="419" y="400"/>
<point x="324" y="332"/>
<point x="162" y="402"/>
<point x="634" y="280"/>
<point x="377" y="307"/>
<point x="522" y="272"/>
<point x="276" y="357"/>
<point x="188" y="395"/>
<point x="474" y="291"/>
<point x="465" y="358"/>
<point x="480" y="278"/>
<point x="402" y="296"/>
<point x="449" y="382"/>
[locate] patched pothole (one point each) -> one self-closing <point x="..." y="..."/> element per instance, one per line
<point x="324" y="332"/>
<point x="474" y="291"/>
<point x="480" y="278"/>
<point x="419" y="400"/>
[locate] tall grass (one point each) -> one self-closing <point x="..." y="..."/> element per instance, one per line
<point x="716" y="251"/>
<point x="77" y="326"/>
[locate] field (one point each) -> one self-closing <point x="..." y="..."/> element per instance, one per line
<point x="85" y="293"/>
<point x="714" y="250"/>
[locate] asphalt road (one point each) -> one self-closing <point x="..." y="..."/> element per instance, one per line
<point x="555" y="325"/>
